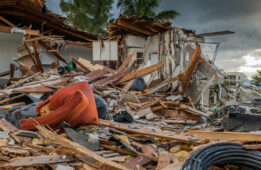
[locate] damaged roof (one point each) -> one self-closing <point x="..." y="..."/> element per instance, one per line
<point x="140" y="26"/>
<point x="26" y="12"/>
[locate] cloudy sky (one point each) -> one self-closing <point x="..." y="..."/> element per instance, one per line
<point x="238" y="52"/>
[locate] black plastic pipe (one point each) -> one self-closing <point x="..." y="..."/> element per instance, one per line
<point x="221" y="154"/>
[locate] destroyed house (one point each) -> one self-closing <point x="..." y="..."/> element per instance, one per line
<point x="168" y="58"/>
<point x="184" y="68"/>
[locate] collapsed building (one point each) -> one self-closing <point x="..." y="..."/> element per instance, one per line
<point x="140" y="98"/>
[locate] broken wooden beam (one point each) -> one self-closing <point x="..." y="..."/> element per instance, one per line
<point x="80" y="64"/>
<point x="37" y="56"/>
<point x="36" y="89"/>
<point x="230" y="136"/>
<point x="113" y="78"/>
<point x="10" y="99"/>
<point x="141" y="72"/>
<point x="31" y="55"/>
<point x="192" y="110"/>
<point x="147" y="131"/>
<point x="126" y="61"/>
<point x="25" y="68"/>
<point x="7" y="22"/>
<point x="132" y="27"/>
<point x="187" y="76"/>
<point x="252" y="147"/>
<point x="96" y="74"/>
<point x="23" y="81"/>
<point x="37" y="160"/>
<point x="48" y="47"/>
<point x="10" y="106"/>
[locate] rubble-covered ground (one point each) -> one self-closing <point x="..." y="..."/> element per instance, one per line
<point x="72" y="113"/>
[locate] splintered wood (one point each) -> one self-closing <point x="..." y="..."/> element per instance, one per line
<point x="81" y="152"/>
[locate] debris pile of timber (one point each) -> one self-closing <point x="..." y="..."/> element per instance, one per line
<point x="142" y="130"/>
<point x="74" y="114"/>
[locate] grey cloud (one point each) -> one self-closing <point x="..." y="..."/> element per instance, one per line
<point x="241" y="16"/>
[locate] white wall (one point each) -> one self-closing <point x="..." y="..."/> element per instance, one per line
<point x="9" y="43"/>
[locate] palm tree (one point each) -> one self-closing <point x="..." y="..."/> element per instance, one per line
<point x="88" y="15"/>
<point x="145" y="8"/>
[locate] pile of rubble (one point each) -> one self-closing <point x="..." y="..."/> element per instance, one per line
<point x="159" y="104"/>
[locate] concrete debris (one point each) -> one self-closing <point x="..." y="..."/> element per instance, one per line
<point x="154" y="105"/>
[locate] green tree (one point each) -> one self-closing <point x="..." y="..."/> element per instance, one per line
<point x="145" y="8"/>
<point x="88" y="15"/>
<point x="257" y="78"/>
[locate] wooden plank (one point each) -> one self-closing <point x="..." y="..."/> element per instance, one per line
<point x="127" y="152"/>
<point x="126" y="61"/>
<point x="5" y="73"/>
<point x="37" y="160"/>
<point x="80" y="64"/>
<point x="36" y="89"/>
<point x="32" y="32"/>
<point x="141" y="72"/>
<point x="7" y="126"/>
<point x="180" y="121"/>
<point x="31" y="55"/>
<point x="14" y="151"/>
<point x="48" y="47"/>
<point x="47" y="149"/>
<point x="119" y="150"/>
<point x="10" y="106"/>
<point x="119" y="158"/>
<point x="10" y="99"/>
<point x="252" y="147"/>
<point x="36" y="54"/>
<point x="133" y="27"/>
<point x="24" y="67"/>
<point x="79" y="44"/>
<point x="91" y="66"/>
<point x="147" y="131"/>
<point x="194" y="61"/>
<point x="113" y="78"/>
<point x="96" y="74"/>
<point x="81" y="152"/>
<point x="230" y="136"/>
<point x="7" y="22"/>
<point x="128" y="85"/>
<point x="192" y="110"/>
<point x="191" y="103"/>
<point x="23" y="81"/>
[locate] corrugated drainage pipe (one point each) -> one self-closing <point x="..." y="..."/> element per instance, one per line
<point x="221" y="154"/>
